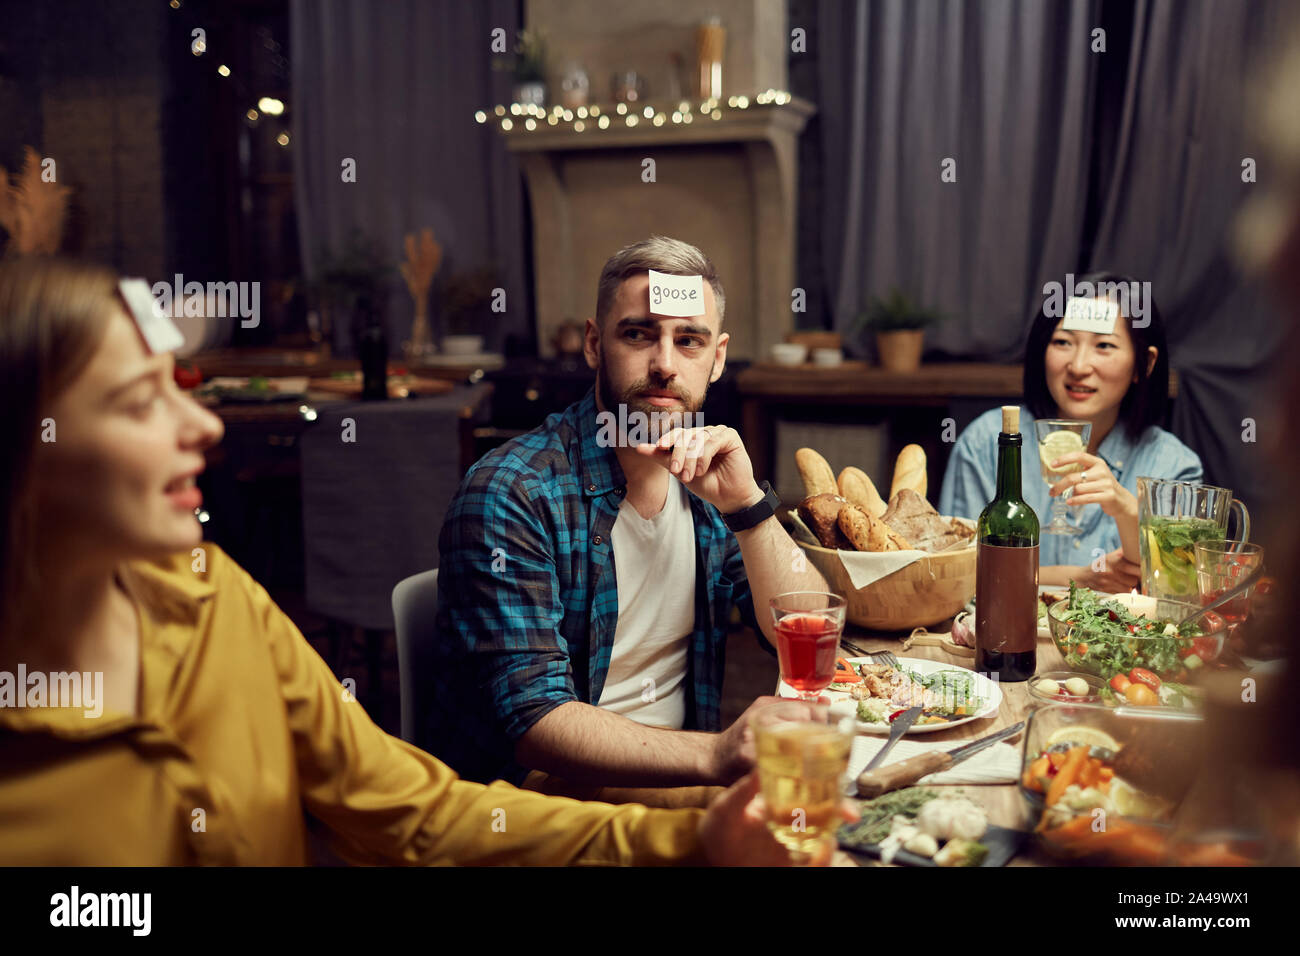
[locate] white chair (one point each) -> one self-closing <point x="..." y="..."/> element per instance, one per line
<point x="415" y="603"/>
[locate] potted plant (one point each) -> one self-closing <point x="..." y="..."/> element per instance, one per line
<point x="466" y="310"/>
<point x="899" y="325"/>
<point x="530" y="68"/>
<point x="350" y="286"/>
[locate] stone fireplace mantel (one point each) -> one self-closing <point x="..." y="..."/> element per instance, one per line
<point x="727" y="185"/>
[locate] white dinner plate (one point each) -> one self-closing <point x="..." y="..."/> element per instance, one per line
<point x="984" y="688"/>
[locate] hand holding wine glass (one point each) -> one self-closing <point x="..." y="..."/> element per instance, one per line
<point x="1060" y="441"/>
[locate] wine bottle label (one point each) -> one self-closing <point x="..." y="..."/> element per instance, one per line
<point x="1006" y="598"/>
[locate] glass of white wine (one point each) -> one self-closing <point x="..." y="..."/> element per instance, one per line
<point x="802" y="760"/>
<point x="1057" y="437"/>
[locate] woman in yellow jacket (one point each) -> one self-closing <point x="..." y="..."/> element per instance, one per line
<point x="156" y="707"/>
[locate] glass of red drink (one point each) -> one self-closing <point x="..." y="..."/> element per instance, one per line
<point x="808" y="629"/>
<point x="1221" y="565"/>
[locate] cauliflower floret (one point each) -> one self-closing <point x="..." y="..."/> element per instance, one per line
<point x="874" y="710"/>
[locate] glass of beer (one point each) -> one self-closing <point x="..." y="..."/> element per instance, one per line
<point x="808" y="628"/>
<point x="802" y="760"/>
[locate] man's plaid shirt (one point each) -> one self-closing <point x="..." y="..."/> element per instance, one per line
<point x="528" y="599"/>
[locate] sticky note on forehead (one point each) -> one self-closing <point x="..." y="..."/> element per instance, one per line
<point x="1091" y="315"/>
<point x="159" y="331"/>
<point x="681" y="296"/>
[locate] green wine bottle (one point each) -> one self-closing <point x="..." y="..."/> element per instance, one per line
<point x="1006" y="569"/>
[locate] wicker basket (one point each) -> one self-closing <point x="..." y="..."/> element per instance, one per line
<point x="923" y="593"/>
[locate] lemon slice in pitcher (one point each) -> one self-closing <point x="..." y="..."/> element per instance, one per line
<point x="1055" y="445"/>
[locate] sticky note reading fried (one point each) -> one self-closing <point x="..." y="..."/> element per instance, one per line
<point x="1090" y="315"/>
<point x="681" y="296"/>
<point x="160" y="332"/>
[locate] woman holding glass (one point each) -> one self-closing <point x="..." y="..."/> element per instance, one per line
<point x="1117" y="383"/>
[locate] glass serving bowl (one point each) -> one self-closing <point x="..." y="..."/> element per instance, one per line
<point x="1041" y="694"/>
<point x="1116" y="801"/>
<point x="1166" y="655"/>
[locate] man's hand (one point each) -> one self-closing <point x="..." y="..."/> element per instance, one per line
<point x="1120" y="575"/>
<point x="733" y="749"/>
<point x="712" y="462"/>
<point x="734" y="829"/>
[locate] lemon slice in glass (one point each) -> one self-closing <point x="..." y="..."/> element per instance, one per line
<point x="1055" y="445"/>
<point x="1081" y="736"/>
<point x="1129" y="801"/>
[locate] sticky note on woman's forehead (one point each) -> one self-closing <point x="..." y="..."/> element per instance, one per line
<point x="1090" y="315"/>
<point x="681" y="296"/>
<point x="160" y="332"/>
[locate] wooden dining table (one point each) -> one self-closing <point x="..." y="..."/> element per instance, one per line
<point x="1002" y="802"/>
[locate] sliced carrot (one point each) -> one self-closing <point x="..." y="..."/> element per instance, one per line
<point x="1106" y="773"/>
<point x="1071" y="830"/>
<point x="844" y="672"/>
<point x="1089" y="774"/>
<point x="1141" y="845"/>
<point x="1068" y="774"/>
<point x="1056" y="759"/>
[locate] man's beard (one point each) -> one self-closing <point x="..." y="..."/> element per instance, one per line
<point x="633" y="396"/>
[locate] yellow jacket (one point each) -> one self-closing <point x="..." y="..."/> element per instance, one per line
<point x="243" y="730"/>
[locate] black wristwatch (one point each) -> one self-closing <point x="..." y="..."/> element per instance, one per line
<point x="755" y="514"/>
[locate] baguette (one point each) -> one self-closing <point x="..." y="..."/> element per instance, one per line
<point x="909" y="471"/>
<point x="867" y="533"/>
<point x="859" y="489"/>
<point x="818" y="479"/>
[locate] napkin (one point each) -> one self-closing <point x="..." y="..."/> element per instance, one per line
<point x="999" y="763"/>
<point x="867" y="567"/>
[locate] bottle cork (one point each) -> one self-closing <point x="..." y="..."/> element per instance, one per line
<point x="1011" y="419"/>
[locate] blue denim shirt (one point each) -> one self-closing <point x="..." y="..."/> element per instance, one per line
<point x="528" y="596"/>
<point x="970" y="481"/>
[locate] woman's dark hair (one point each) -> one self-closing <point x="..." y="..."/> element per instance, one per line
<point x="1146" y="400"/>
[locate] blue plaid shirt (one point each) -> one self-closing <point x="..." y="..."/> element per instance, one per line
<point x="528" y="599"/>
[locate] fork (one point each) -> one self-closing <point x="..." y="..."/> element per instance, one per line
<point x="885" y="657"/>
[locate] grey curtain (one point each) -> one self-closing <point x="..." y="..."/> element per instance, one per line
<point x="395" y="87"/>
<point x="998" y="86"/>
<point x="1009" y="89"/>
<point x="1167" y="213"/>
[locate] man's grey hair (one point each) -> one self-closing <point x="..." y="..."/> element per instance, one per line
<point x="662" y="254"/>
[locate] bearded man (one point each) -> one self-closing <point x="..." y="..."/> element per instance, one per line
<point x="588" y="568"/>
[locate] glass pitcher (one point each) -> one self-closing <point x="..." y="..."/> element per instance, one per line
<point x="1172" y="517"/>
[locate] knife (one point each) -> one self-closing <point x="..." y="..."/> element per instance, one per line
<point x="899" y="727"/>
<point x="872" y="783"/>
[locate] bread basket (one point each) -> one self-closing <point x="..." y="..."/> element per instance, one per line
<point x="921" y="594"/>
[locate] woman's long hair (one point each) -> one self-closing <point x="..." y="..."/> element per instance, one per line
<point x="52" y="318"/>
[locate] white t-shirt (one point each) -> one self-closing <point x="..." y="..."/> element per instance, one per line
<point x="654" y="564"/>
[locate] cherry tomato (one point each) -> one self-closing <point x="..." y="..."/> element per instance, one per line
<point x="1140" y="675"/>
<point x="1206" y="648"/>
<point x="1119" y="683"/>
<point x="1265" y="586"/>
<point x="1081" y="649"/>
<point x="187" y="375"/>
<point x="1142" y="695"/>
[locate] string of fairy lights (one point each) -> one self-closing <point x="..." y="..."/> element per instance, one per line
<point x="530" y="117"/>
<point x="266" y="105"/>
